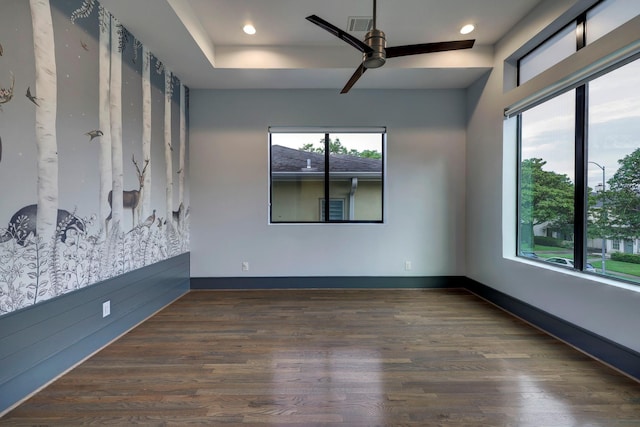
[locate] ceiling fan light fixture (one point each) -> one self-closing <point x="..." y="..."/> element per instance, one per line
<point x="249" y="29"/>
<point x="376" y="40"/>
<point x="467" y="29"/>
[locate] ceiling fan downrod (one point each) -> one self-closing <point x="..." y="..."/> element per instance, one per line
<point x="375" y="25"/>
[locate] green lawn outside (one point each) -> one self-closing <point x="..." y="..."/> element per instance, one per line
<point x="627" y="270"/>
<point x="619" y="267"/>
<point x="553" y="251"/>
<point x="549" y="249"/>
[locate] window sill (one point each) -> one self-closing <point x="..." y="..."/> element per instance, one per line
<point x="593" y="277"/>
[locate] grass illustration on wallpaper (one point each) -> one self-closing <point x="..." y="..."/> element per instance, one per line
<point x="32" y="270"/>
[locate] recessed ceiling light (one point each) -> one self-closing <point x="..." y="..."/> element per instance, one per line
<point x="249" y="29"/>
<point x="467" y="29"/>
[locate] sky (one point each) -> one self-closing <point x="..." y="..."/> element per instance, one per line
<point x="614" y="125"/>
<point x="357" y="141"/>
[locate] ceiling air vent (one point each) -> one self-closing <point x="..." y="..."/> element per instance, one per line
<point x="360" y="23"/>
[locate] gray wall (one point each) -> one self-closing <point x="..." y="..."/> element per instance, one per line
<point x="424" y="195"/>
<point x="610" y="310"/>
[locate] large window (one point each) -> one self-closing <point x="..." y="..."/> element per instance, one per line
<point x="343" y="166"/>
<point x="579" y="161"/>
<point x="546" y="176"/>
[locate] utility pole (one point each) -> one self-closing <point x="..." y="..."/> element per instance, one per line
<point x="604" y="217"/>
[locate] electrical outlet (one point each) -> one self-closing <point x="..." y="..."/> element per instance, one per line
<point x="245" y="265"/>
<point x="106" y="308"/>
<point x="407" y="265"/>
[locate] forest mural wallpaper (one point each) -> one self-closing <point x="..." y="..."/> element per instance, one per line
<point x="93" y="151"/>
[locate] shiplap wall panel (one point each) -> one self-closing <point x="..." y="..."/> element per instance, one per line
<point x="35" y="324"/>
<point x="39" y="343"/>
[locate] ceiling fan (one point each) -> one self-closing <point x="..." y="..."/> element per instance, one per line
<point x="374" y="47"/>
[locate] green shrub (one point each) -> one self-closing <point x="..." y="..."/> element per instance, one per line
<point x="622" y="257"/>
<point x="548" y="241"/>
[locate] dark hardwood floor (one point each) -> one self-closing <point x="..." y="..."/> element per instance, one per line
<point x="335" y="358"/>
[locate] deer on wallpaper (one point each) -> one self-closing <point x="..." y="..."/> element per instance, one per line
<point x="131" y="199"/>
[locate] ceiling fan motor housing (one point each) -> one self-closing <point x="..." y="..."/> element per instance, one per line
<point x="376" y="40"/>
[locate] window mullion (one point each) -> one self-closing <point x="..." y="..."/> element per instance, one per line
<point x="581" y="31"/>
<point x="580" y="201"/>
<point x="327" y="189"/>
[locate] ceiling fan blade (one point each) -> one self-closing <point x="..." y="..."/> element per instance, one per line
<point x="358" y="44"/>
<point x="416" y="49"/>
<point x="354" y="78"/>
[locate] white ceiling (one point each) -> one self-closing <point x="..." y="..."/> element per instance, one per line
<point x="203" y="43"/>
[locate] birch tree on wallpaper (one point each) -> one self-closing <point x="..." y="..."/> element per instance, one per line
<point x="183" y="142"/>
<point x="115" y="111"/>
<point x="46" y="110"/>
<point x="146" y="129"/>
<point x="104" y="116"/>
<point x="168" y="93"/>
<point x="46" y="103"/>
<point x="104" y="119"/>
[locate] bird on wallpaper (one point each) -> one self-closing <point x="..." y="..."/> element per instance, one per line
<point x="84" y="46"/>
<point x="32" y="98"/>
<point x="1" y="50"/>
<point x="7" y="93"/>
<point x="170" y="147"/>
<point x="94" y="134"/>
<point x="150" y="220"/>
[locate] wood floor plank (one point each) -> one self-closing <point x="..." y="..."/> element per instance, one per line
<point x="335" y="358"/>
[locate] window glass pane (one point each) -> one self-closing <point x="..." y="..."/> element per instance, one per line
<point x="355" y="174"/>
<point x="297" y="176"/>
<point x="548" y="53"/>
<point x="546" y="187"/>
<point x="299" y="167"/>
<point x="613" y="218"/>
<point x="608" y="16"/>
